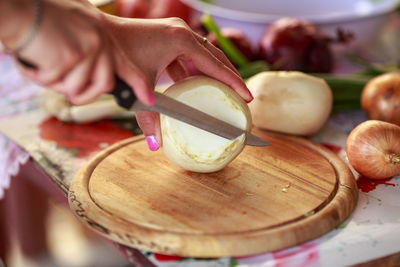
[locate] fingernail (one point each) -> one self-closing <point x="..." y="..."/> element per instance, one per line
<point x="152" y="142"/>
<point x="250" y="96"/>
<point x="151" y="98"/>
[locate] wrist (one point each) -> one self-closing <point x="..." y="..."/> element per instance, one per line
<point x="16" y="20"/>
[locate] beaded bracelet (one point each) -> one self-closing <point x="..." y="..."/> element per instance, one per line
<point x="36" y="23"/>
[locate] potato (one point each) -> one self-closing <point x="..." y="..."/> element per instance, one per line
<point x="192" y="148"/>
<point x="290" y="102"/>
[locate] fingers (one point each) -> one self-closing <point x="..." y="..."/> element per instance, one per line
<point x="135" y="78"/>
<point x="52" y="72"/>
<point x="70" y="53"/>
<point x="45" y="72"/>
<point x="211" y="61"/>
<point x="101" y="81"/>
<point x="76" y="80"/>
<point x="51" y="65"/>
<point x="216" y="52"/>
<point x="90" y="78"/>
<point x="176" y="71"/>
<point x="149" y="122"/>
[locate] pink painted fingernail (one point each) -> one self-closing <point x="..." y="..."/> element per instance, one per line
<point x="251" y="95"/>
<point x="152" y="142"/>
<point x="152" y="98"/>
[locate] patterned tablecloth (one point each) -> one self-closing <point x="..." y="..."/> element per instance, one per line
<point x="16" y="96"/>
<point x="60" y="149"/>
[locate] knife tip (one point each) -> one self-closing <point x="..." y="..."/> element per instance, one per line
<point x="253" y="140"/>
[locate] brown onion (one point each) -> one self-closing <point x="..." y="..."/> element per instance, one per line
<point x="373" y="149"/>
<point x="380" y="98"/>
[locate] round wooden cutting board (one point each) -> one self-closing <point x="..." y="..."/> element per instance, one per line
<point x="268" y="198"/>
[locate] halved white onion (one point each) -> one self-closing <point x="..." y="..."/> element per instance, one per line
<point x="195" y="149"/>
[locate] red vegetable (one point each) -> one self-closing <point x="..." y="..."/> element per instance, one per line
<point x="373" y="149"/>
<point x="133" y="8"/>
<point x="153" y="9"/>
<point x="84" y="138"/>
<point x="238" y="39"/>
<point x="294" y="44"/>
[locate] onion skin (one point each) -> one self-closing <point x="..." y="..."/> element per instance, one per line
<point x="380" y="98"/>
<point x="373" y="149"/>
<point x="295" y="44"/>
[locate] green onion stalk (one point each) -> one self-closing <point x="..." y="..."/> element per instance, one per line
<point x="246" y="69"/>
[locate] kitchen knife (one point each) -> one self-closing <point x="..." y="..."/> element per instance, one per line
<point x="125" y="97"/>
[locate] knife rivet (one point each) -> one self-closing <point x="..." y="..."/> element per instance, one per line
<point x="125" y="94"/>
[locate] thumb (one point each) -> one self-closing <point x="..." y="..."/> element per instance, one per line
<point x="149" y="122"/>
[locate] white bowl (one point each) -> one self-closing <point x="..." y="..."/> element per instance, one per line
<point x="362" y="17"/>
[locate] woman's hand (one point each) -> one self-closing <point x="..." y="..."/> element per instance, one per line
<point x="78" y="50"/>
<point x="71" y="51"/>
<point x="161" y="45"/>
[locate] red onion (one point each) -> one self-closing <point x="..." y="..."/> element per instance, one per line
<point x="295" y="44"/>
<point x="153" y="9"/>
<point x="238" y="39"/>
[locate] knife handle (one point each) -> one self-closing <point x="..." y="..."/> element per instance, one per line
<point x="26" y="63"/>
<point x="123" y="93"/>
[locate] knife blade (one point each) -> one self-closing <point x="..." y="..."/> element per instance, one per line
<point x="125" y="98"/>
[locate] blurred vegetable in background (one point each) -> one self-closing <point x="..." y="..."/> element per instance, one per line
<point x="346" y="89"/>
<point x="380" y="98"/>
<point x="245" y="67"/>
<point x="291" y="102"/>
<point x="153" y="9"/>
<point x="238" y="39"/>
<point x="294" y="44"/>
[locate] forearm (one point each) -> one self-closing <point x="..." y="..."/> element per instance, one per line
<point x="16" y="20"/>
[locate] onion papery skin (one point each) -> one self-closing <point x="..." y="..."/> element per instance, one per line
<point x="194" y="149"/>
<point x="373" y="149"/>
<point x="380" y="98"/>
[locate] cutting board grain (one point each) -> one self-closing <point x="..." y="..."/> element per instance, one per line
<point x="267" y="199"/>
